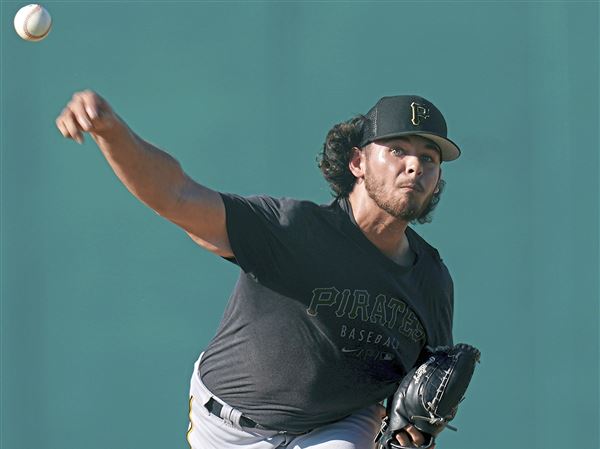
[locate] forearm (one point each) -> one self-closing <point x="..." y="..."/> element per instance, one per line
<point x="150" y="174"/>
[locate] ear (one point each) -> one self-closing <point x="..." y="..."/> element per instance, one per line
<point x="356" y="163"/>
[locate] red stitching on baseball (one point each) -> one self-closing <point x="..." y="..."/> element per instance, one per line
<point x="27" y="33"/>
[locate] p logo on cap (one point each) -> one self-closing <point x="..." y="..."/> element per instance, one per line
<point x="418" y="112"/>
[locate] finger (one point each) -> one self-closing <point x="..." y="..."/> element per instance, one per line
<point x="72" y="127"/>
<point x="98" y="111"/>
<point x="92" y="107"/>
<point x="92" y="110"/>
<point x="403" y="438"/>
<point x="78" y="109"/>
<point x="94" y="104"/>
<point x="62" y="128"/>
<point x="416" y="436"/>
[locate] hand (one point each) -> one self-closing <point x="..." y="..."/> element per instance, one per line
<point x="410" y="436"/>
<point x="86" y="112"/>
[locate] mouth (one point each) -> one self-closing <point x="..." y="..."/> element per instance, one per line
<point x="414" y="187"/>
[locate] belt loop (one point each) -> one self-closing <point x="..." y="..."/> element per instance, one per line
<point x="231" y="415"/>
<point x="235" y="416"/>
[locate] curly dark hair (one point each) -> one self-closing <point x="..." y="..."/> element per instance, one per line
<point x="337" y="151"/>
<point x="334" y="159"/>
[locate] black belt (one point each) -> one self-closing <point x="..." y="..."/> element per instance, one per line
<point x="215" y="408"/>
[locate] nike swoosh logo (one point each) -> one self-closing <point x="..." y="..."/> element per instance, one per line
<point x="350" y="350"/>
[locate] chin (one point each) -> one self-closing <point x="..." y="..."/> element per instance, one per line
<point x="407" y="212"/>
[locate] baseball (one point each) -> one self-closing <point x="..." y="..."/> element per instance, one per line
<point x="33" y="22"/>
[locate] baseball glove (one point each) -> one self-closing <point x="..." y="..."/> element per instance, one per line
<point x="428" y="396"/>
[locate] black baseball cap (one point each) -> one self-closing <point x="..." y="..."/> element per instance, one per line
<point x="403" y="115"/>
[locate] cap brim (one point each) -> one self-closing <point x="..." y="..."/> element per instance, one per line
<point x="450" y="150"/>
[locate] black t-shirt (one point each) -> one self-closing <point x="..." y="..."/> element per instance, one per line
<point x="320" y="323"/>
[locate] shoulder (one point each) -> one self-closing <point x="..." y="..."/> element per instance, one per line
<point x="430" y="252"/>
<point x="422" y="244"/>
<point x="284" y="210"/>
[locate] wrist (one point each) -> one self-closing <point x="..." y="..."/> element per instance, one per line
<point x="114" y="132"/>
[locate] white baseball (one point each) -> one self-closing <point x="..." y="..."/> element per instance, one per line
<point x="33" y="22"/>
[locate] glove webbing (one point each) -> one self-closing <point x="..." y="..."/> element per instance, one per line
<point x="432" y="406"/>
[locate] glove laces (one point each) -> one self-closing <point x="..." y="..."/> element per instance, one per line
<point x="435" y="420"/>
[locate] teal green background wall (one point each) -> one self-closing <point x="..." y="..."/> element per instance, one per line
<point x="105" y="305"/>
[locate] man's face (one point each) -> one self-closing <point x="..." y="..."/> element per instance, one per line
<point x="402" y="174"/>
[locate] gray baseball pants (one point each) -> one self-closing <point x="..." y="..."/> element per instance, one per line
<point x="207" y="431"/>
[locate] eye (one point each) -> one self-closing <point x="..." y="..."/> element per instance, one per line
<point x="432" y="158"/>
<point x="397" y="151"/>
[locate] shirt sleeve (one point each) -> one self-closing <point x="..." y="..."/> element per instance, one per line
<point x="262" y="232"/>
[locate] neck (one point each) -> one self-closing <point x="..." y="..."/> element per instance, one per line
<point x="385" y="231"/>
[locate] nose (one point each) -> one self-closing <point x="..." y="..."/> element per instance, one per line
<point x="413" y="165"/>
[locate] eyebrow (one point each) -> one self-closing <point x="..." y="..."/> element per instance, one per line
<point x="430" y="143"/>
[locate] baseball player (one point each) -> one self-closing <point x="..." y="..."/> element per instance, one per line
<point x="334" y="303"/>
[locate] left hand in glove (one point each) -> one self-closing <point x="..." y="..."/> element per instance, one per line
<point x="428" y="397"/>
